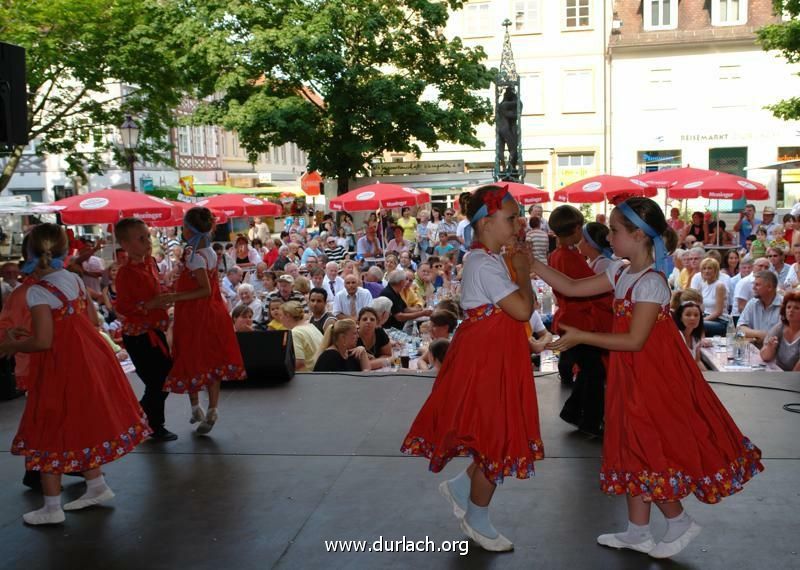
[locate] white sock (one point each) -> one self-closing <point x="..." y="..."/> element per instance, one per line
<point x="676" y="527"/>
<point x="478" y="518"/>
<point x="635" y="534"/>
<point x="95" y="487"/>
<point x="460" y="487"/>
<point x="52" y="503"/>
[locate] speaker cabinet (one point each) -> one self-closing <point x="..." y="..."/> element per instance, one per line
<point x="268" y="355"/>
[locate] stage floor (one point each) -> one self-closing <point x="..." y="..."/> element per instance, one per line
<point x="288" y="468"/>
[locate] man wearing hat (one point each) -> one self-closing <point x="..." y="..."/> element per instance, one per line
<point x="286" y="292"/>
<point x="769" y="222"/>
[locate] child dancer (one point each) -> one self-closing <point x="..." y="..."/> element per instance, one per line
<point x="205" y="348"/>
<point x="483" y="403"/>
<point x="81" y="411"/>
<point x="667" y="434"/>
<point x="143" y="330"/>
<point x="584" y="407"/>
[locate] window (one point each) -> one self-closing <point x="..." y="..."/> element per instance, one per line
<point x="578" y="92"/>
<point x="531" y="88"/>
<point x="477" y="20"/>
<point x="577" y="14"/>
<point x="184" y="141"/>
<point x="235" y="144"/>
<point x="728" y="12"/>
<point x="283" y="155"/>
<point x="660" y="14"/>
<point x="223" y="143"/>
<point x="527" y="15"/>
<point x="730" y="92"/>
<point x="211" y="138"/>
<point x="575" y="160"/>
<point x="575" y="166"/>
<point x="658" y="91"/>
<point x="652" y="160"/>
<point x="268" y="156"/>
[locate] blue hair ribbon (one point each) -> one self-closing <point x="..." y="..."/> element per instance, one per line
<point x="197" y="237"/>
<point x="661" y="249"/>
<point x="606" y="251"/>
<point x="33" y="261"/>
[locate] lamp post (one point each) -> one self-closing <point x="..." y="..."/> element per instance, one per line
<point x="130" y="138"/>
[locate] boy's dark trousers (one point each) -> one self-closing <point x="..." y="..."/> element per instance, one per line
<point x="584" y="407"/>
<point x="152" y="366"/>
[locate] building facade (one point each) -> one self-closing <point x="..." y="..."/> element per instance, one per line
<point x="688" y="88"/>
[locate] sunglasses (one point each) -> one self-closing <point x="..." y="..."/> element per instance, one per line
<point x="448" y="213"/>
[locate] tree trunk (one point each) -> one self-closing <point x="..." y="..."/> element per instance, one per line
<point x="11" y="166"/>
<point x="342" y="181"/>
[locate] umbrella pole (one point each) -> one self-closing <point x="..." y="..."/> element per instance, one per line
<point x="717" y="232"/>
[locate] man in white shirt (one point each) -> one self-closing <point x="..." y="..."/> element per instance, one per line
<point x="768" y="222"/>
<point x="763" y="311"/>
<point x="538" y="211"/>
<point x="332" y="283"/>
<point x="745" y="269"/>
<point x="744" y="289"/>
<point x="229" y="284"/>
<point x="348" y="302"/>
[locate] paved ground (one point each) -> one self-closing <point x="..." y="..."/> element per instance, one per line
<point x="317" y="459"/>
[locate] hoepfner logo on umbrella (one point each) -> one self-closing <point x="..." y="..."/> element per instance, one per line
<point x="253" y="201"/>
<point x="745" y="184"/>
<point x="365" y="196"/>
<point x="694" y="184"/>
<point x="592" y="186"/>
<point x="201" y="203"/>
<point x="93" y="203"/>
<point x="411" y="191"/>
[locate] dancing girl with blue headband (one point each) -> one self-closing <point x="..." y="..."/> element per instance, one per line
<point x="205" y="349"/>
<point x="667" y="435"/>
<point x="483" y="404"/>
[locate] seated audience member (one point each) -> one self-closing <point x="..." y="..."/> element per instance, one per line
<point x="286" y="292"/>
<point x="245" y="255"/>
<point x="256" y="278"/>
<point x="368" y="245"/>
<point x="541" y="337"/>
<point x="373" y="281"/>
<point x="317" y="306"/>
<point x="762" y="312"/>
<point x="398" y="244"/>
<point x="332" y="282"/>
<point x="777" y="260"/>
<point x="449" y="305"/>
<point x="374" y="339"/>
<point x="409" y="292"/>
<point x="274" y="322"/>
<point x="383" y="308"/>
<point x="339" y="351"/>
<point x="442" y="325"/>
<point x="438" y="350"/>
<point x="444" y="248"/>
<point x="306" y="337"/>
<point x="715" y="297"/>
<point x="317" y="276"/>
<point x="333" y="251"/>
<point x="404" y="261"/>
<point x="689" y="319"/>
<point x="229" y="285"/>
<point x="743" y="291"/>
<point x="400" y="311"/>
<point x="781" y="343"/>
<point x="348" y="303"/>
<point x="270" y="281"/>
<point x="303" y="286"/>
<point x="680" y="297"/>
<point x="390" y="263"/>
<point x="246" y="296"/>
<point x="423" y="283"/>
<point x="223" y="261"/>
<point x="242" y="316"/>
<point x="292" y="269"/>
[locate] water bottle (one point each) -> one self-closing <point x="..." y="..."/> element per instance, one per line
<point x="547" y="301"/>
<point x="730" y="337"/>
<point x="740" y="347"/>
<point x="414" y="330"/>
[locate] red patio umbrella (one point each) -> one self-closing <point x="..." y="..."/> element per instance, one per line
<point x="672" y="178"/>
<point x="374" y="196"/>
<point x="527" y="194"/>
<point x="219" y="216"/>
<point x="240" y="205"/>
<point x="109" y="206"/>
<point x="602" y="188"/>
<point x="724" y="186"/>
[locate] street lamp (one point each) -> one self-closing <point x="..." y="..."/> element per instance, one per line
<point x="130" y="138"/>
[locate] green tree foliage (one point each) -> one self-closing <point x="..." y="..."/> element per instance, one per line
<point x="784" y="37"/>
<point x="387" y="79"/>
<point x="78" y="54"/>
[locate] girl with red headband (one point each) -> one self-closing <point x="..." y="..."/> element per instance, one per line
<point x="483" y="402"/>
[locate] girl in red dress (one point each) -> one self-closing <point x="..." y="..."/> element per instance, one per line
<point x="666" y="434"/>
<point x="483" y="402"/>
<point x="81" y="411"/>
<point x="205" y="349"/>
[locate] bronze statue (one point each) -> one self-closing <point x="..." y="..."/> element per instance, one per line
<point x="507" y="130"/>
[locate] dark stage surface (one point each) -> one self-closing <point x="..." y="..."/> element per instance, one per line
<point x="288" y="468"/>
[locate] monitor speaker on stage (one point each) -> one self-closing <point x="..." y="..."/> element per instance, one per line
<point x="13" y="96"/>
<point x="268" y="355"/>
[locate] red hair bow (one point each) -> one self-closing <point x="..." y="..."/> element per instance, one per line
<point x="493" y="199"/>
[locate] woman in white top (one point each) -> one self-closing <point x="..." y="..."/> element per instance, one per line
<point x="715" y="298"/>
<point x="782" y="343"/>
<point x="793" y="276"/>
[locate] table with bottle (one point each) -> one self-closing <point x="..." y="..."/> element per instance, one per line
<point x="733" y="353"/>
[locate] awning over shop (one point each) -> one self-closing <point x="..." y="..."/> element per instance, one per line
<point x="783" y="165"/>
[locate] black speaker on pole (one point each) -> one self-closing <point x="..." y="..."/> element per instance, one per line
<point x="13" y="96"/>
<point x="268" y="355"/>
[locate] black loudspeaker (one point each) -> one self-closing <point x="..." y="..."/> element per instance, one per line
<point x="268" y="355"/>
<point x="13" y="96"/>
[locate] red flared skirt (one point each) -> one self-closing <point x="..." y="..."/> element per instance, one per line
<point x="483" y="402"/>
<point x="667" y="435"/>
